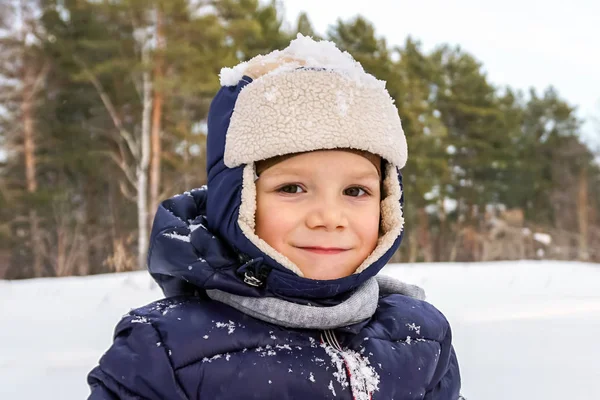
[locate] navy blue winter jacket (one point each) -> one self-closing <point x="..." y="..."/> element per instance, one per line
<point x="189" y="346"/>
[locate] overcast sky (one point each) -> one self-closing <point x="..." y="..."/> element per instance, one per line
<point x="521" y="43"/>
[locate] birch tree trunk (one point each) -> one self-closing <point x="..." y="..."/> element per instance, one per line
<point x="142" y="167"/>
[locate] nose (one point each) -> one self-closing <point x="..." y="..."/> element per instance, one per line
<point x="328" y="214"/>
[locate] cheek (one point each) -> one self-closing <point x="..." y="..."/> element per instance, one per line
<point x="263" y="218"/>
<point x="273" y="221"/>
<point x="367" y="225"/>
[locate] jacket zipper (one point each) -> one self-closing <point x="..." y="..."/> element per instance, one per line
<point x="328" y="338"/>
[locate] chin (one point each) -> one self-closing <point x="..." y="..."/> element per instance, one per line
<point x="325" y="275"/>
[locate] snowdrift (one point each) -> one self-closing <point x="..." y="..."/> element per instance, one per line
<point x="523" y="330"/>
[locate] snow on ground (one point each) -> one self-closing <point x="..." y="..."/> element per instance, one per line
<point x="522" y="330"/>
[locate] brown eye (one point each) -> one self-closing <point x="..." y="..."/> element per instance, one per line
<point x="291" y="189"/>
<point x="354" y="191"/>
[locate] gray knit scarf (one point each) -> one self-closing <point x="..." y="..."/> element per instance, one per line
<point x="358" y="307"/>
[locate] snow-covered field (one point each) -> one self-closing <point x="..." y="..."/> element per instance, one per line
<point x="523" y="330"/>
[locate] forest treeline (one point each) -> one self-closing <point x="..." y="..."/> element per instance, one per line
<point x="103" y="109"/>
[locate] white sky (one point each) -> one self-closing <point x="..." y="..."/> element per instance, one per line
<point x="521" y="43"/>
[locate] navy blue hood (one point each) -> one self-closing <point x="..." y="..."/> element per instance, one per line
<point x="196" y="243"/>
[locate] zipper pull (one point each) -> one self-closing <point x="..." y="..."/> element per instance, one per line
<point x="255" y="274"/>
<point x="328" y="337"/>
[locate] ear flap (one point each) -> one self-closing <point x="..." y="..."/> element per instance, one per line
<point x="392" y="219"/>
<point x="247" y="220"/>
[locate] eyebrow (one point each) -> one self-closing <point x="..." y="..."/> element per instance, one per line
<point x="367" y="175"/>
<point x="285" y="172"/>
<point x="362" y="175"/>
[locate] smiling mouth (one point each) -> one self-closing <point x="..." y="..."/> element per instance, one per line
<point x="324" y="250"/>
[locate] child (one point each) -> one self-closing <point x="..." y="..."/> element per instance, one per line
<point x="270" y="273"/>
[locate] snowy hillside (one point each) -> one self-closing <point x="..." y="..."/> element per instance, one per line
<point x="523" y="330"/>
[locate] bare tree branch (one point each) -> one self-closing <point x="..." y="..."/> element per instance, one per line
<point x="129" y="174"/>
<point x="105" y="99"/>
<point x="41" y="77"/>
<point x="125" y="192"/>
<point x="131" y="143"/>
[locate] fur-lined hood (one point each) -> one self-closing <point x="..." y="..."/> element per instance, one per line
<point x="307" y="97"/>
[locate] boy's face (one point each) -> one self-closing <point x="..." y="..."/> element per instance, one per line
<point x="320" y="210"/>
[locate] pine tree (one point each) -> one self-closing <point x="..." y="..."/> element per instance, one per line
<point x="469" y="108"/>
<point x="23" y="73"/>
<point x="304" y="26"/>
<point x="252" y="28"/>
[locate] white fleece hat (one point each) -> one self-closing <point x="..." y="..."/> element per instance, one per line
<point x="314" y="98"/>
